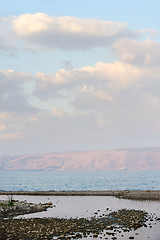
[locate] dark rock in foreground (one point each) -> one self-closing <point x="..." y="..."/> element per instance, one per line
<point x="61" y="228"/>
<point x="13" y="208"/>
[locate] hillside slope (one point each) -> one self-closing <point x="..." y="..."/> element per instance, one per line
<point x="121" y="159"/>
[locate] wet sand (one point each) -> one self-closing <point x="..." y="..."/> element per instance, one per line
<point x="133" y="194"/>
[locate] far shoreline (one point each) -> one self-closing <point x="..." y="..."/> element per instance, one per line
<point x="124" y="194"/>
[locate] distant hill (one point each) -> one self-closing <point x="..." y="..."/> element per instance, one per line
<point x="121" y="159"/>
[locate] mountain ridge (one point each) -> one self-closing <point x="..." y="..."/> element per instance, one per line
<point x="106" y="160"/>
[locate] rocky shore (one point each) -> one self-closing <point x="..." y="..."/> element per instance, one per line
<point x="108" y="225"/>
<point x="13" y="208"/>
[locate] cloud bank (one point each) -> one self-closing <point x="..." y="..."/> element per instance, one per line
<point x="106" y="105"/>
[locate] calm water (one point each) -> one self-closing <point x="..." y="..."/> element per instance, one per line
<point x="75" y="206"/>
<point x="40" y="180"/>
<point x="86" y="206"/>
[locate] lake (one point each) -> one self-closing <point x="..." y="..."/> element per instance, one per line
<point x="59" y="181"/>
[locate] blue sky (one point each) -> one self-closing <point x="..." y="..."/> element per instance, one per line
<point x="139" y="14"/>
<point x="79" y="75"/>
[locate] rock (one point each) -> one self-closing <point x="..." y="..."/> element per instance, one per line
<point x="21" y="207"/>
<point x="62" y="228"/>
<point x="95" y="235"/>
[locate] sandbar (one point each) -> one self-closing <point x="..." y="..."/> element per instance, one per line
<point x="124" y="194"/>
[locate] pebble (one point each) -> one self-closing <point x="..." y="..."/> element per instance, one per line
<point x="50" y="228"/>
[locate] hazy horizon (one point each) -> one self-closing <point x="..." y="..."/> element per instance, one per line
<point x="81" y="151"/>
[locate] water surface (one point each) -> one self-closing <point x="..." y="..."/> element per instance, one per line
<point x="46" y="181"/>
<point x="86" y="206"/>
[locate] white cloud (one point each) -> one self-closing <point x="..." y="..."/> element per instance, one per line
<point x="98" y="94"/>
<point x="7" y="36"/>
<point x="12" y="92"/>
<point x="94" y="106"/>
<point x="10" y="136"/>
<point x="3" y="127"/>
<point x="117" y="96"/>
<point x="111" y="103"/>
<point x="40" y="31"/>
<point x="28" y="24"/>
<point x="11" y="125"/>
<point x="101" y="80"/>
<point x="4" y="115"/>
<point x="57" y="112"/>
<point x="139" y="53"/>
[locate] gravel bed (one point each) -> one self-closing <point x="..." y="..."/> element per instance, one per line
<point x="74" y="228"/>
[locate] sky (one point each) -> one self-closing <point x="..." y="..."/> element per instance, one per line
<point x="79" y="75"/>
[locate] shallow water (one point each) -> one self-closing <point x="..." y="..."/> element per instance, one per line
<point x="86" y="206"/>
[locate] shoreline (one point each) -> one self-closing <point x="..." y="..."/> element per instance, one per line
<point x="124" y="194"/>
<point x="107" y="219"/>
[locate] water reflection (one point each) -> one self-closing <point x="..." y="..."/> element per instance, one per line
<point x="86" y="206"/>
